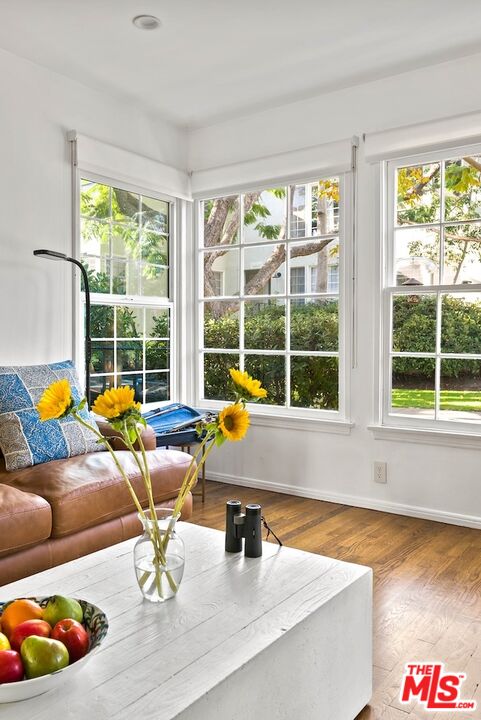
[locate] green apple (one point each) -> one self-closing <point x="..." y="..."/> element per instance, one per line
<point x="42" y="656"/>
<point x="60" y="607"/>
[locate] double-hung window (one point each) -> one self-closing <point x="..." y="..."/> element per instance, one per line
<point x="125" y="246"/>
<point x="277" y="312"/>
<point x="432" y="291"/>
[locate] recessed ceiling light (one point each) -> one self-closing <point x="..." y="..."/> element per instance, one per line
<point x="146" y="22"/>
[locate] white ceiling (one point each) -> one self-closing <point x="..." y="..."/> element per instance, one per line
<point x="214" y="59"/>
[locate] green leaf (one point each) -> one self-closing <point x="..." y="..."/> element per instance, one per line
<point x="219" y="439"/>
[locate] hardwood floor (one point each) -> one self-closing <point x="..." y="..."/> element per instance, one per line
<point x="427" y="584"/>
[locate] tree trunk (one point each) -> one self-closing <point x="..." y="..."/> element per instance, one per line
<point x="322" y="258"/>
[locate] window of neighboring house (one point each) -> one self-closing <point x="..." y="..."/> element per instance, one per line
<point x="125" y="245"/>
<point x="218" y="282"/>
<point x="432" y="311"/>
<point x="332" y="278"/>
<point x="298" y="284"/>
<point x="269" y="320"/>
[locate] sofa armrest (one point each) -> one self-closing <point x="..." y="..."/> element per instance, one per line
<point x="148" y="436"/>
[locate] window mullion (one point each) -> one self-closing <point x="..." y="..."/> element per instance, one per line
<point x="437" y="375"/>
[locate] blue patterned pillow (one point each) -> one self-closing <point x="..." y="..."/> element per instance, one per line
<point x="24" y="439"/>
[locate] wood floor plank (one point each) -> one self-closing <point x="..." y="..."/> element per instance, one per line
<point x="427" y="583"/>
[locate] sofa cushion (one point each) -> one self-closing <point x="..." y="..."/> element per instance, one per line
<point x="24" y="439"/>
<point x="25" y="519"/>
<point x="88" y="489"/>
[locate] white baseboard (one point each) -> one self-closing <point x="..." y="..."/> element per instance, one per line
<point x="471" y="521"/>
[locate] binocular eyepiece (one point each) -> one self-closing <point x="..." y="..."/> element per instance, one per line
<point x="247" y="526"/>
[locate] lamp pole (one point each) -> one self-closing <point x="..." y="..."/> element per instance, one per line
<point x="53" y="255"/>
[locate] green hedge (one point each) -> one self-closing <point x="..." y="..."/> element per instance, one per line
<point x="314" y="326"/>
<point x="414" y="330"/>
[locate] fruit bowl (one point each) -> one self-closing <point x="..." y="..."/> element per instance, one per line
<point x="96" y="624"/>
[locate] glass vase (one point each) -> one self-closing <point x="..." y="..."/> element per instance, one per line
<point x="159" y="556"/>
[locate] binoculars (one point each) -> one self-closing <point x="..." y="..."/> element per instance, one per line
<point x="247" y="526"/>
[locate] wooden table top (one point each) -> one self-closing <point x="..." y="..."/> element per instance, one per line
<point x="165" y="656"/>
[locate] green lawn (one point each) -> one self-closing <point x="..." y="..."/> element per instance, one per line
<point x="461" y="400"/>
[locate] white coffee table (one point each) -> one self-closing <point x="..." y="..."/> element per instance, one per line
<point x="280" y="637"/>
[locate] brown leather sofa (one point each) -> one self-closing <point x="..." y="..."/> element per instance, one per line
<point x="64" y="509"/>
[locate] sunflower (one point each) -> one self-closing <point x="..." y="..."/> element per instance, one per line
<point x="116" y="403"/>
<point x="56" y="401"/>
<point x="246" y="385"/>
<point x="233" y="421"/>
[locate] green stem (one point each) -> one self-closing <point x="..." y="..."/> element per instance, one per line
<point x="155" y="538"/>
<point x="162" y="546"/>
<point x="187" y="486"/>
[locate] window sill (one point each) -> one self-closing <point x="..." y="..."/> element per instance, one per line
<point x="426" y="437"/>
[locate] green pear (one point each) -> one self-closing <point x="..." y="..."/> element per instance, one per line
<point x="60" y="607"/>
<point x="42" y="656"/>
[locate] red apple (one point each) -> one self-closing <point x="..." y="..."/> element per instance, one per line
<point x="27" y="628"/>
<point x="11" y="666"/>
<point x="74" y="636"/>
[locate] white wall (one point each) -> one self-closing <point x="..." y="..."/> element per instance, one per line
<point x="37" y="107"/>
<point x="435" y="481"/>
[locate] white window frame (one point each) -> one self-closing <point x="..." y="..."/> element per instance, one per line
<point x="388" y="289"/>
<point x="335" y="420"/>
<point x="129" y="300"/>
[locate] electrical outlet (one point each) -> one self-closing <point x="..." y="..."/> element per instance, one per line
<point x="380" y="472"/>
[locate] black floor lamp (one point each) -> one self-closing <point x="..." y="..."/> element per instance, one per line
<point x="52" y="255"/>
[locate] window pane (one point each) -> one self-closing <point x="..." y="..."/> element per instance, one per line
<point x="125" y="277"/>
<point x="265" y="215"/>
<point x="154" y="248"/>
<point x="102" y="321"/>
<point x="416" y="259"/>
<point x="265" y="270"/>
<point x="413" y="386"/>
<point x="462" y="254"/>
<point x="154" y="281"/>
<point x="95" y="238"/>
<point x="135" y="381"/>
<point x="99" y="385"/>
<point x="418" y="194"/>
<point x="125" y="206"/>
<point x="300" y="224"/>
<point x="315" y="325"/>
<point x="265" y="325"/>
<point x="157" y="387"/>
<point x="130" y="322"/>
<point x="155" y="215"/>
<point x="314" y="208"/>
<point x="98" y="270"/>
<point x="414" y="323"/>
<point x="460" y="390"/>
<point x="102" y="360"/>
<point x="125" y="242"/>
<point x="221" y="220"/>
<point x="94" y="199"/>
<point x="461" y="323"/>
<point x="310" y="265"/>
<point x="225" y="262"/>
<point x="315" y="382"/>
<point x="221" y="325"/>
<point x="129" y="356"/>
<point x="157" y="355"/>
<point x="157" y="322"/>
<point x="217" y="382"/>
<point x="271" y="371"/>
<point x="463" y="188"/>
<point x="297" y="280"/>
